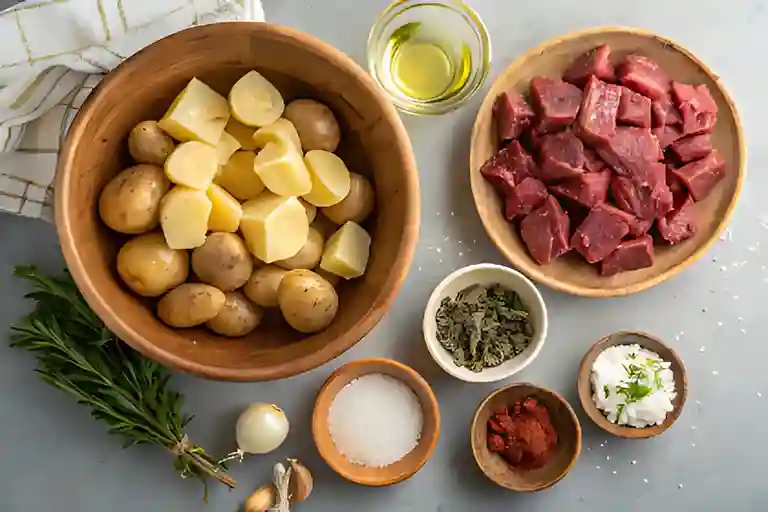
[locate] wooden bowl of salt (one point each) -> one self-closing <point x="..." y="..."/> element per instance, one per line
<point x="376" y="422"/>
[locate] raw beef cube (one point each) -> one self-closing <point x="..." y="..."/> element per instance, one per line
<point x="576" y="213"/>
<point x="680" y="223"/>
<point x="561" y="156"/>
<point x="596" y="62"/>
<point x="545" y="231"/>
<point x="643" y="75"/>
<point x="556" y="101"/>
<point x="640" y="227"/>
<point x="511" y="165"/>
<point x="644" y="200"/>
<point x="698" y="109"/>
<point x="692" y="147"/>
<point x="630" y="151"/>
<point x="589" y="189"/>
<point x="701" y="176"/>
<point x="667" y="135"/>
<point x="629" y="255"/>
<point x="527" y="195"/>
<point x="495" y="443"/>
<point x="634" y="109"/>
<point x="664" y="112"/>
<point x="592" y="162"/>
<point x="597" y="119"/>
<point x="601" y="232"/>
<point x="513" y="115"/>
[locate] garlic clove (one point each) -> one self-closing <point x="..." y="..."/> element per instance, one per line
<point x="301" y="482"/>
<point x="261" y="500"/>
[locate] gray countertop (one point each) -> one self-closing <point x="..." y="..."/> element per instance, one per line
<point x="54" y="457"/>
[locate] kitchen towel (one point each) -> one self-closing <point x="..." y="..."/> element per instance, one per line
<point x="52" y="54"/>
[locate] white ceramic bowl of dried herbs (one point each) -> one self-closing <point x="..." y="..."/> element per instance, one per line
<point x="485" y="323"/>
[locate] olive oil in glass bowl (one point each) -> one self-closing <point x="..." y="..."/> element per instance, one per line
<point x="428" y="56"/>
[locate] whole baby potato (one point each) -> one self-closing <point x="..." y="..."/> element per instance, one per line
<point x="149" y="267"/>
<point x="223" y="261"/>
<point x="261" y="287"/>
<point x="316" y="124"/>
<point x="308" y="302"/>
<point x="308" y="256"/>
<point x="357" y="205"/>
<point x="332" y="279"/>
<point x="238" y="317"/>
<point x="190" y="304"/>
<point x="130" y="203"/>
<point x="148" y="144"/>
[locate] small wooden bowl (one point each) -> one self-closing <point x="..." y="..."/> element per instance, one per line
<point x="571" y="273"/>
<point x="648" y="342"/>
<point x="563" y="419"/>
<point x="405" y="467"/>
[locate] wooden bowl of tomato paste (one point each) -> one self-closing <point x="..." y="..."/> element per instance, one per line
<point x="525" y="438"/>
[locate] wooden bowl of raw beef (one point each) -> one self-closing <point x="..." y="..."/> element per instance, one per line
<point x="615" y="180"/>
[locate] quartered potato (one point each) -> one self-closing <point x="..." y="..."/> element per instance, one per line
<point x="282" y="170"/>
<point x="184" y="214"/>
<point x="346" y="251"/>
<point x="308" y="256"/>
<point x="274" y="227"/>
<point x="226" y="211"/>
<point x="192" y="164"/>
<point x="281" y="130"/>
<point x="226" y="147"/>
<point x="330" y="178"/>
<point x="198" y="113"/>
<point x="243" y="134"/>
<point x="238" y="177"/>
<point x="255" y="101"/>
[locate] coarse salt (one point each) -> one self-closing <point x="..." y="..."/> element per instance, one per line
<point x="375" y="420"/>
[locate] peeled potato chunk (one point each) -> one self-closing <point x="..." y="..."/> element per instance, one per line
<point x="226" y="148"/>
<point x="309" y="255"/>
<point x="192" y="164"/>
<point x="243" y="134"/>
<point x="311" y="210"/>
<point x="184" y="214"/>
<point x="274" y="227"/>
<point x="282" y="170"/>
<point x="255" y="101"/>
<point x="197" y="113"/>
<point x="226" y="211"/>
<point x="238" y="177"/>
<point x="281" y="130"/>
<point x="330" y="178"/>
<point x="346" y="252"/>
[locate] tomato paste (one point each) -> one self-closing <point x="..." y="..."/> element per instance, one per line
<point x="523" y="435"/>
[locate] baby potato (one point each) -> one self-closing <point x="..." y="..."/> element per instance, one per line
<point x="261" y="287"/>
<point x="254" y="101"/>
<point x="308" y="256"/>
<point x="151" y="268"/>
<point x="311" y="210"/>
<point x="130" y="203"/>
<point x="148" y="144"/>
<point x="316" y="124"/>
<point x="308" y="302"/>
<point x="238" y="317"/>
<point x="333" y="279"/>
<point x="190" y="304"/>
<point x="223" y="261"/>
<point x="357" y="205"/>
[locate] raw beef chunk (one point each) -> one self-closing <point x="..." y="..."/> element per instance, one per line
<point x="630" y="151"/>
<point x="545" y="231"/>
<point x="692" y="147"/>
<point x="527" y="195"/>
<point x="595" y="62"/>
<point x="629" y="255"/>
<point x="640" y="227"/>
<point x="597" y="118"/>
<point x="556" y="101"/>
<point x="589" y="189"/>
<point x="644" y="200"/>
<point x="644" y="75"/>
<point x="634" y="109"/>
<point x="701" y="176"/>
<point x="680" y="223"/>
<point x="667" y="135"/>
<point x="561" y="156"/>
<point x="664" y="112"/>
<point x="698" y="109"/>
<point x="592" y="162"/>
<point x="511" y="165"/>
<point x="601" y="232"/>
<point x="513" y="115"/>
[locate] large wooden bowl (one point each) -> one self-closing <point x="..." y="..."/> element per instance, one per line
<point x="571" y="273"/>
<point x="374" y="143"/>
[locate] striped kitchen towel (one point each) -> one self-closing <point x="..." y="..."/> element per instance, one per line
<point x="53" y="53"/>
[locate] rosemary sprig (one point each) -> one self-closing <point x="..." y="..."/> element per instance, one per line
<point x="76" y="353"/>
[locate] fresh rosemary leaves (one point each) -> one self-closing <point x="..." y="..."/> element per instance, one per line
<point x="483" y="326"/>
<point x="76" y="353"/>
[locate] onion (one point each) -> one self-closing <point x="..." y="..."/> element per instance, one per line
<point x="261" y="428"/>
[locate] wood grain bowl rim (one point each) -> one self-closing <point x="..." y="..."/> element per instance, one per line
<point x="537" y="272"/>
<point x="584" y="384"/>
<point x="126" y="332"/>
<point x="318" y="417"/>
<point x="545" y="391"/>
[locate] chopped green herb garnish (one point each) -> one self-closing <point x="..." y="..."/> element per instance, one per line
<point x="606" y="390"/>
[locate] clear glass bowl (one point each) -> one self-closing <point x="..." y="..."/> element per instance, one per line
<point x="457" y="24"/>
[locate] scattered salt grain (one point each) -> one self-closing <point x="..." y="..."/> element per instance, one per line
<point x="715" y="373"/>
<point x="645" y="480"/>
<point x="438" y="250"/>
<point x="693" y="445"/>
<point x="419" y="269"/>
<point x="614" y="471"/>
<point x="752" y="249"/>
<point x="719" y="324"/>
<point x="633" y="462"/>
<point x="697" y="402"/>
<point x="461" y="254"/>
<point x="440" y="260"/>
<point x="597" y="467"/>
<point x="451" y="214"/>
<point x="375" y="420"/>
<point x="735" y="297"/>
<point x="702" y="349"/>
<point x="739" y="318"/>
<point x="679" y="486"/>
<point x="694" y="427"/>
<point x="723" y="269"/>
<point x="743" y="330"/>
<point x="437" y="214"/>
<point x="759" y="395"/>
